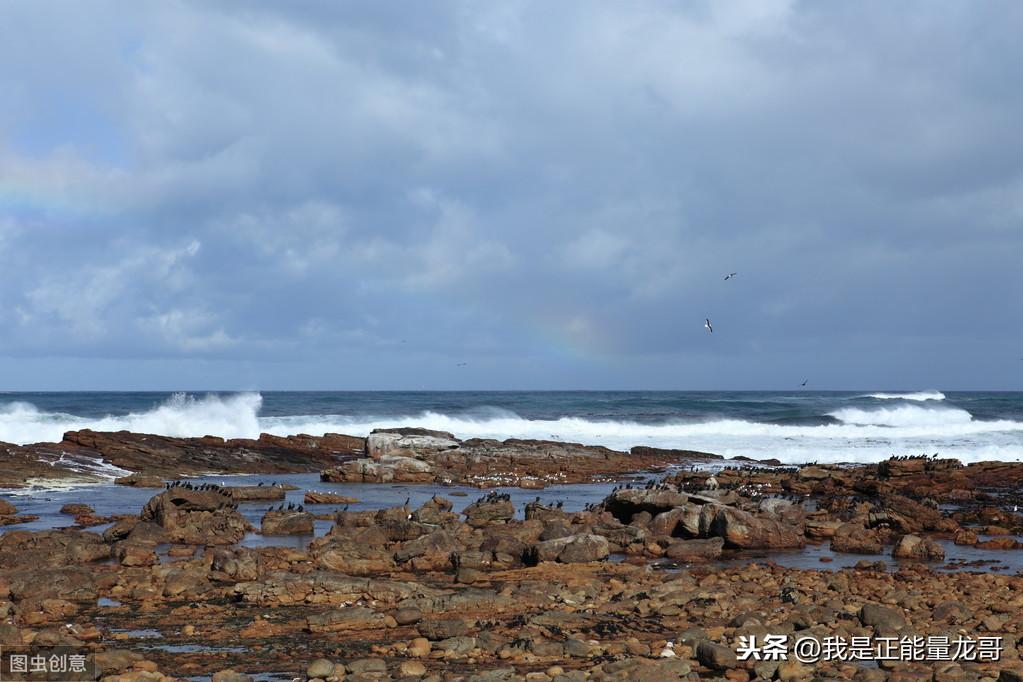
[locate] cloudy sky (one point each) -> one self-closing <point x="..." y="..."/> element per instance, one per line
<point x="335" y="195"/>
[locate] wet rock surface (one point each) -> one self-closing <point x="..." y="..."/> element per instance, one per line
<point x="652" y="583"/>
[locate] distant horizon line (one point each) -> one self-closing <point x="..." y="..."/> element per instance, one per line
<point x="517" y="390"/>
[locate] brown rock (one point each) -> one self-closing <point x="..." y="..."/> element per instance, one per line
<point x="692" y="551"/>
<point x="313" y="497"/>
<point x="742" y="529"/>
<point x="286" y="523"/>
<point x="194" y="517"/>
<point x="918" y="549"/>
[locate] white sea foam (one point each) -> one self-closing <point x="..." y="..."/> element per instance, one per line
<point x="907" y="416"/>
<point x="918" y="396"/>
<point x="181" y="415"/>
<point x="860" y="435"/>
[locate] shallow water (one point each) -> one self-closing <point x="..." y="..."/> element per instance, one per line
<point x="109" y="499"/>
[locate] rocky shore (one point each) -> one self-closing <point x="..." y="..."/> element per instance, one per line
<point x="661" y="579"/>
<point x="405" y="455"/>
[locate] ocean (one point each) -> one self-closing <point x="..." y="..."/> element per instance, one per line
<point x="794" y="427"/>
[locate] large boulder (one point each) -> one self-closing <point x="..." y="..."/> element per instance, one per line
<point x="51" y="548"/>
<point x="681" y="521"/>
<point x="692" y="551"/>
<point x="490" y="509"/>
<point x="256" y="493"/>
<point x="746" y="531"/>
<point x="855" y="538"/>
<point x="385" y="469"/>
<point x="196" y="517"/>
<point x="409" y="442"/>
<point x="916" y="548"/>
<point x="287" y="523"/>
<point x="580" y="548"/>
<point x="626" y="502"/>
<point x="437" y="545"/>
<point x="316" y="497"/>
<point x="882" y="617"/>
<point x="435" y="511"/>
<point x="342" y="620"/>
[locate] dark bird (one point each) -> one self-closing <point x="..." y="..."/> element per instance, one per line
<point x="730" y="275"/>
<point x="462" y="364"/>
<point x="708" y="325"/>
<point x="804" y="382"/>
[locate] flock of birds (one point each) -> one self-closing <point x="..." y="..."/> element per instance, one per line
<point x="291" y="506"/>
<point x="200" y="487"/>
<point x="203" y="487"/>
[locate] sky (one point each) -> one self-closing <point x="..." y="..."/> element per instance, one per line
<point x="514" y="195"/>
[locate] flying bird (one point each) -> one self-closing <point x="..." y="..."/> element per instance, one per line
<point x="708" y="325"/>
<point x="730" y="275"/>
<point x="804" y="382"/>
<point x="461" y="364"/>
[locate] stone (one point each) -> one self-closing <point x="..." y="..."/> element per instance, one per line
<point x="196" y="517"/>
<point x="855" y="538"/>
<point x="419" y="647"/>
<point x="140" y="481"/>
<point x="489" y="510"/>
<point x="580" y="548"/>
<point x="341" y="620"/>
<point x="881" y="617"/>
<point x="312" y="497"/>
<point x="321" y="667"/>
<point x="692" y="551"/>
<point x="715" y="656"/>
<point x="918" y="549"/>
<point x="256" y="493"/>
<point x="411" y="669"/>
<point x="745" y="531"/>
<point x="287" y="523"/>
<point x="230" y="675"/>
<point x="71" y="509"/>
<point x="440" y="629"/>
<point x="408" y="616"/>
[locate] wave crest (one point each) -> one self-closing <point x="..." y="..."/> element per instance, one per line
<point x="181" y="416"/>
<point x="907" y="415"/>
<point x="845" y="435"/>
<point x="917" y="395"/>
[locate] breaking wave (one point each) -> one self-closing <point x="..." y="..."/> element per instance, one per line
<point x="918" y="396"/>
<point x="180" y="415"/>
<point x="843" y="435"/>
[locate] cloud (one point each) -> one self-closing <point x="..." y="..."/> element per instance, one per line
<point x="336" y="194"/>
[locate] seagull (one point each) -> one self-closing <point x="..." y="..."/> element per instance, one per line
<point x="804" y="382"/>
<point x="730" y="275"/>
<point x="462" y="364"/>
<point x="708" y="325"/>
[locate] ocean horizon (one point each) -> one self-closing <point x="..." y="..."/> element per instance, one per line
<point x="791" y="426"/>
